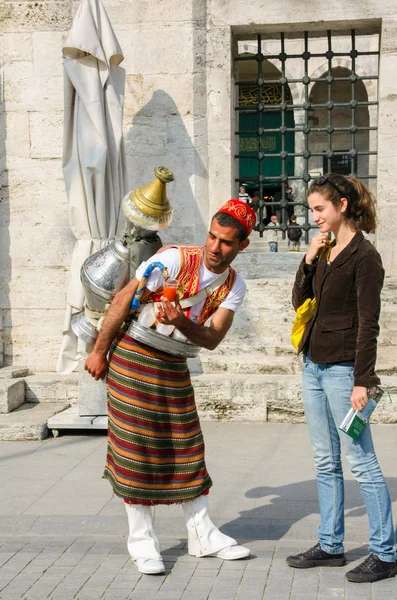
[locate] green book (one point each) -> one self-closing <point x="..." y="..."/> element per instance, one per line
<point x="355" y="420"/>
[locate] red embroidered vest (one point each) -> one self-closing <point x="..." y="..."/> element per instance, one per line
<point x="189" y="281"/>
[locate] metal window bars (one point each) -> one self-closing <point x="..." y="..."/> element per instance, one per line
<point x="267" y="132"/>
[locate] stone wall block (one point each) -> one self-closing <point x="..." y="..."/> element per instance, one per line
<point x="387" y="83"/>
<point x="35" y="16"/>
<point x="388" y="251"/>
<point x="126" y="15"/>
<point x="35" y="93"/>
<point x="36" y="193"/>
<point x="16" y="47"/>
<point x="218" y="47"/>
<point x="27" y="286"/>
<point x="24" y="173"/>
<point x="48" y="127"/>
<point x="160" y="50"/>
<point x="47" y="53"/>
<point x="146" y="137"/>
<point x="252" y="15"/>
<point x="133" y="97"/>
<point x="389" y="35"/>
<point x="1" y="339"/>
<point x="163" y="95"/>
<point x="51" y="387"/>
<point x="39" y="246"/>
<point x="221" y="185"/>
<point x="12" y="394"/>
<point x="257" y="398"/>
<point x="17" y="134"/>
<point x="33" y="337"/>
<point x="180" y="133"/>
<point x="386" y="361"/>
<point x="219" y="101"/>
<point x="18" y="70"/>
<point x="13" y="372"/>
<point x="200" y="95"/>
<point x="38" y="211"/>
<point x="386" y="192"/>
<point x="221" y="137"/>
<point x="389" y="295"/>
<point x="386" y="213"/>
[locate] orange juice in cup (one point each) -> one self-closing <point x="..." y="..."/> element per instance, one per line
<point x="170" y="289"/>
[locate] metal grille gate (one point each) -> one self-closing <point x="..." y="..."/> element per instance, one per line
<point x="263" y="142"/>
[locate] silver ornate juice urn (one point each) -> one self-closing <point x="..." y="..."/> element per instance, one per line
<point x="103" y="274"/>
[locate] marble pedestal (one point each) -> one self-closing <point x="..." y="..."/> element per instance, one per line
<point x="92" y="394"/>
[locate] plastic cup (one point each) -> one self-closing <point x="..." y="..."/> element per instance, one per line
<point x="170" y="289"/>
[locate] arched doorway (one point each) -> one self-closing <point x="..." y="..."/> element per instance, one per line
<point x="261" y="115"/>
<point x="348" y="134"/>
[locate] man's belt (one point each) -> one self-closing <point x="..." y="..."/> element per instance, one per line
<point x="156" y="340"/>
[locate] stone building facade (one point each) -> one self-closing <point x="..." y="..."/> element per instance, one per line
<point x="179" y="112"/>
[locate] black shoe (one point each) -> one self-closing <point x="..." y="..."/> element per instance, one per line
<point x="372" y="569"/>
<point x="316" y="557"/>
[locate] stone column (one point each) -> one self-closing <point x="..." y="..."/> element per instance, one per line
<point x="1" y="340"/>
<point x="221" y="119"/>
<point x="299" y="163"/>
<point x="387" y="148"/>
<point x="372" y="139"/>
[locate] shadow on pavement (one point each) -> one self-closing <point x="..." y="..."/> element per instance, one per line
<point x="289" y="505"/>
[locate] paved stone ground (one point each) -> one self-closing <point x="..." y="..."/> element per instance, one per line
<point x="63" y="533"/>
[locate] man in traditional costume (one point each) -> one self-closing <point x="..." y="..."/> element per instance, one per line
<point x="155" y="444"/>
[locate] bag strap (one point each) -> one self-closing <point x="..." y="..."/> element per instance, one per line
<point x="205" y="292"/>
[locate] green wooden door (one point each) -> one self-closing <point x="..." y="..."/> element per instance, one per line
<point x="271" y="144"/>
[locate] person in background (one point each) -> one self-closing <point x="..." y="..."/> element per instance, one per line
<point x="255" y="198"/>
<point x="272" y="234"/>
<point x="243" y="195"/>
<point x="339" y="355"/>
<point x="289" y="195"/>
<point x="294" y="234"/>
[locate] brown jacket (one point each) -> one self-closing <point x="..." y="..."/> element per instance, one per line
<point x="345" y="324"/>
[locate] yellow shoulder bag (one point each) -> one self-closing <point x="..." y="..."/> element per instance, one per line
<point x="302" y="316"/>
<point x="304" y="312"/>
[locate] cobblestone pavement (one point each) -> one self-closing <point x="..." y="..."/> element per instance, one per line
<point x="63" y="534"/>
<point x="87" y="568"/>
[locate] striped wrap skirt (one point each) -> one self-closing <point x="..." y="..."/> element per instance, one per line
<point x="155" y="452"/>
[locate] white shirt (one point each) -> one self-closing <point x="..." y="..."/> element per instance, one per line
<point x="244" y="197"/>
<point x="172" y="260"/>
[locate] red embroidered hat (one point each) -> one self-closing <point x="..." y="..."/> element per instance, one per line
<point x="241" y="211"/>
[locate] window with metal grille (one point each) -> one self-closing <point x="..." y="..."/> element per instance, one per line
<point x="340" y="164"/>
<point x="306" y="105"/>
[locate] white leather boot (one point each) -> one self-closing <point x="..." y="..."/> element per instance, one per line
<point x="143" y="544"/>
<point x="204" y="538"/>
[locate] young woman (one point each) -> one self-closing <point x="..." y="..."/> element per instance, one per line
<point x="339" y="354"/>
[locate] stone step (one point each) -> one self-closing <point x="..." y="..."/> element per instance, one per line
<point x="262" y="245"/>
<point x="258" y="357"/>
<point x="268" y="398"/>
<point x="13" y="372"/>
<point x="52" y="387"/>
<point x="386" y="363"/>
<point x="12" y="394"/>
<point x="29" y="421"/>
<point x="70" y="419"/>
<point x="257" y="264"/>
<point x="250" y="363"/>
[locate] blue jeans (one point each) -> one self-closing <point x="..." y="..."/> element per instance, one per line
<point x="326" y="395"/>
<point x="273" y="246"/>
